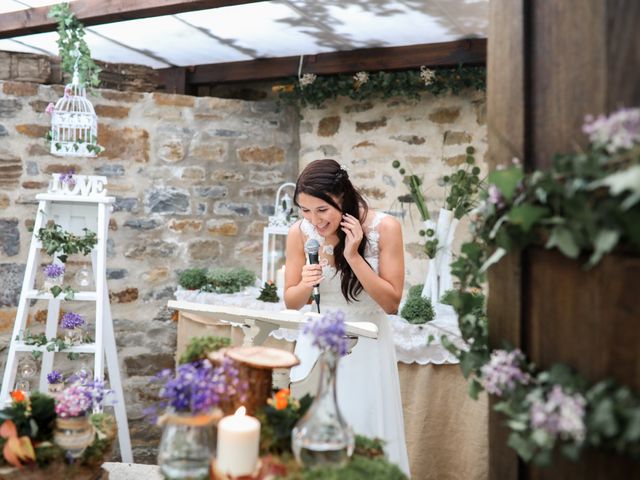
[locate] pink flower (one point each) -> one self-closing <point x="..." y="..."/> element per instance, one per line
<point x="68" y="91"/>
<point x="49" y="109"/>
<point x="559" y="414"/>
<point x="503" y="373"/>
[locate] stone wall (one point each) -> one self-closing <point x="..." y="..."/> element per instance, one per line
<point x="428" y="136"/>
<point x="194" y="181"/>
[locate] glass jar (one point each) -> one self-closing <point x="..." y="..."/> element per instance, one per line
<point x="187" y="446"/>
<point x="322" y="436"/>
<point x="73" y="434"/>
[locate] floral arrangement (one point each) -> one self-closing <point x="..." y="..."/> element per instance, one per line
<point x="55" y="377"/>
<point x="53" y="271"/>
<point x="587" y="202"/>
<point x="197" y="387"/>
<point x="417" y="309"/>
<point x="278" y="418"/>
<point x="311" y="89"/>
<point x="71" y="320"/>
<point x="80" y="397"/>
<point x="329" y="333"/>
<point x="269" y="293"/>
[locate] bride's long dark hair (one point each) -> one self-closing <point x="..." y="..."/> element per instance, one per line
<point x="327" y="180"/>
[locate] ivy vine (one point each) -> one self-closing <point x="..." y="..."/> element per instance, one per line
<point x="316" y="90"/>
<point x="54" y="239"/>
<point x="588" y="202"/>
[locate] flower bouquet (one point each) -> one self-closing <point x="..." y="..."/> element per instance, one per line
<point x="71" y="324"/>
<point x="55" y="381"/>
<point x="53" y="275"/>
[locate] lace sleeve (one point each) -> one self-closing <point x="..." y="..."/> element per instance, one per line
<point x="372" y="251"/>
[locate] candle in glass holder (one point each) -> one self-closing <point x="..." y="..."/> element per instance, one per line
<point x="280" y="278"/>
<point x="238" y="443"/>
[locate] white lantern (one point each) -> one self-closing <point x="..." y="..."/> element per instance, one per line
<point x="274" y="237"/>
<point x="74" y="125"/>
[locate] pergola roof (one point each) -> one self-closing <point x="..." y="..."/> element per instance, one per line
<point x="165" y="33"/>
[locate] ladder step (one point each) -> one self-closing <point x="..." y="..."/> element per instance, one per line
<point x="83" y="348"/>
<point x="88" y="296"/>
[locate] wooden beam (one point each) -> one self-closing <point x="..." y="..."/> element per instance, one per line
<point x="97" y="12"/>
<point x="468" y="52"/>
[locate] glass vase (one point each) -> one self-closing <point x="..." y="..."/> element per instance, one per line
<point x="322" y="436"/>
<point x="187" y="446"/>
<point x="73" y="434"/>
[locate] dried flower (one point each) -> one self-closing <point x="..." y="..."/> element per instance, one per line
<point x="329" y="332"/>
<point x="307" y="79"/>
<point x="559" y="414"/>
<point x="427" y="75"/>
<point x="71" y="320"/>
<point x="53" y="270"/>
<point x="55" y="377"/>
<point x="360" y="79"/>
<point x="50" y="108"/>
<point x="618" y="131"/>
<point x="503" y="373"/>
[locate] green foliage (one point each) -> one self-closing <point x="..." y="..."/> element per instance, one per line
<point x="408" y="84"/>
<point x="369" y="447"/>
<point x="193" y="278"/>
<point x="417" y="310"/>
<point x="72" y="46"/>
<point x="34" y="419"/>
<point x="228" y="280"/>
<point x="464" y="186"/>
<point x="67" y="290"/>
<point x="269" y="293"/>
<point x="276" y="424"/>
<point x="359" y="468"/>
<point x="56" y="240"/>
<point x="415" y="291"/>
<point x="199" y="347"/>
<point x="55" y="344"/>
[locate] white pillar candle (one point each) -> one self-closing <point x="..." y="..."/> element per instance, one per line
<point x="238" y="443"/>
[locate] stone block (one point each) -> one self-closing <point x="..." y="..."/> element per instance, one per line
<point x="4" y="201"/>
<point x="10" y="170"/>
<point x="32" y="168"/>
<point x="192" y="173"/>
<point x="9" y="236"/>
<point x="184" y="225"/>
<point x="268" y="177"/>
<point x="171" y="149"/>
<point x="455" y="160"/>
<point x="127" y="204"/>
<point x="32" y="130"/>
<point x="269" y="156"/>
<point x="33" y="185"/>
<point x="163" y="293"/>
<point x="126" y="143"/>
<point x="7" y="319"/>
<point x="111" y="111"/>
<point x="147" y="364"/>
<point x="358" y="107"/>
<point x="167" y="201"/>
<point x="11" y="276"/>
<point x="248" y="249"/>
<point x="456" y="138"/>
<point x="256" y="227"/>
<point x="129" y="97"/>
<point x="109" y="170"/>
<point x="371" y="125"/>
<point x="364" y="144"/>
<point x="232" y="208"/>
<point x="153" y="249"/>
<point x="328" y="126"/>
<point x="215" y="191"/>
<point x="373" y="192"/>
<point x="207" y="147"/>
<point x="3" y="131"/>
<point x="117" y="273"/>
<point x="39" y="106"/>
<point x="204" y="249"/>
<point x="171" y="100"/>
<point x="155" y="275"/>
<point x="410" y="139"/>
<point x="62" y="168"/>
<point x="266" y="210"/>
<point x="38" y="150"/>
<point x="127" y="295"/>
<point x="227" y="176"/>
<point x="259" y="192"/>
<point x="20" y="89"/>
<point x="445" y="115"/>
<point x="222" y="227"/>
<point x="9" y="107"/>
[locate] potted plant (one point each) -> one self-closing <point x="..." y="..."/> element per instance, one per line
<point x="71" y="324"/>
<point x="53" y="275"/>
<point x="55" y="380"/>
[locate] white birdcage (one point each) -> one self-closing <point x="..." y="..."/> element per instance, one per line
<point x="74" y="124"/>
<point x="275" y="236"/>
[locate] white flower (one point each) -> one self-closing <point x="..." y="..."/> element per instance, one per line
<point x="427" y="75"/>
<point x="307" y="79"/>
<point x="361" y="78"/>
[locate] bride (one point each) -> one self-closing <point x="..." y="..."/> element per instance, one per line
<point x="361" y="272"/>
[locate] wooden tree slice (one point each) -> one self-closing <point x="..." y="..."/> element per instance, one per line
<point x="263" y="357"/>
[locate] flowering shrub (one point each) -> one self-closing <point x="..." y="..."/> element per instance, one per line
<point x="329" y="333"/>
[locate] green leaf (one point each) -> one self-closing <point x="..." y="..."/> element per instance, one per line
<point x="622" y="181"/>
<point x="56" y="290"/>
<point x="494" y="258"/>
<point x="507" y="180"/>
<point x="562" y="238"/>
<point x="526" y="215"/>
<point x="605" y="241"/>
<point x="522" y="446"/>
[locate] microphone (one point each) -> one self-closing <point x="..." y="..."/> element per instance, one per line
<point x="311" y="248"/>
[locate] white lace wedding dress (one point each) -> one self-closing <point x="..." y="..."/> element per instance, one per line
<point x="368" y="385"/>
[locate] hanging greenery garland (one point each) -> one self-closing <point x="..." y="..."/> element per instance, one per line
<point x="587" y="202"/>
<point x="314" y="90"/>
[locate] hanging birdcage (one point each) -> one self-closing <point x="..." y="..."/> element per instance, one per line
<point x="74" y="124"/>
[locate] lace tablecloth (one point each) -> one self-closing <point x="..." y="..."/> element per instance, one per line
<point x="414" y="343"/>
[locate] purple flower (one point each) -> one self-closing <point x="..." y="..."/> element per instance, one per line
<point x="618" y="131"/>
<point x="53" y="270"/>
<point x="68" y="91"/>
<point x="495" y="196"/>
<point x="329" y="332"/>
<point x="55" y="377"/>
<point x="80" y="397"/>
<point x="559" y="414"/>
<point x="72" y="320"/>
<point x="503" y="373"/>
<point x="68" y="177"/>
<point x="198" y="387"/>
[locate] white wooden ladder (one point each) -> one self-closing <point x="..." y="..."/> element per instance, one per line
<point x="72" y="213"/>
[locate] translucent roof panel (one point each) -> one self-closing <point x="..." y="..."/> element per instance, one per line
<point x="269" y="29"/>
